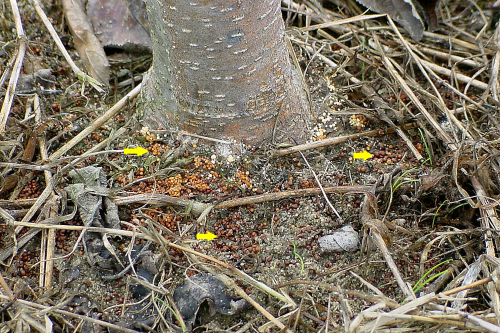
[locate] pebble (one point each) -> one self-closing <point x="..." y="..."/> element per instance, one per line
<point x="344" y="239"/>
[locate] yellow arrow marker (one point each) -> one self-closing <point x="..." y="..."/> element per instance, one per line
<point x="208" y="236"/>
<point x="135" y="151"/>
<point x="364" y="155"/>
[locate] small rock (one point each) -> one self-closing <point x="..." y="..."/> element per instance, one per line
<point x="345" y="239"/>
<point x="399" y="222"/>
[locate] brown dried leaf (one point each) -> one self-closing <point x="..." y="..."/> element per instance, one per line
<point x="402" y="11"/>
<point x="86" y="43"/>
<point x="7" y="183"/>
<point x="431" y="180"/>
<point x="429" y="9"/>
<point x="120" y="23"/>
<point x="376" y="225"/>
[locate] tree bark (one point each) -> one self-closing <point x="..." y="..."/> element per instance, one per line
<point x="221" y="69"/>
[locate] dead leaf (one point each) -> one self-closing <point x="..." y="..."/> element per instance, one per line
<point x="86" y="43"/>
<point x="7" y="183"/>
<point x="429" y="9"/>
<point x="204" y="288"/>
<point x="120" y="24"/>
<point x="402" y="11"/>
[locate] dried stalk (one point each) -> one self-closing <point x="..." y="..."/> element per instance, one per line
<point x="47" y="247"/>
<point x="11" y="88"/>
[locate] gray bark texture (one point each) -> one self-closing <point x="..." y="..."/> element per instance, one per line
<point x="221" y="69"/>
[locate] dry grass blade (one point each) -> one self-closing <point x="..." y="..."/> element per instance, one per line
<point x="72" y="315"/>
<point x="48" y="236"/>
<point x="16" y="70"/>
<point x="377" y="101"/>
<point x="98" y="122"/>
<point x="79" y="73"/>
<point x="409" y="92"/>
<point x="228" y="281"/>
<point x="495" y="68"/>
<point x="342" y="22"/>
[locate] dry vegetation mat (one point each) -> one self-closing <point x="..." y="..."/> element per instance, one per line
<point x="93" y="240"/>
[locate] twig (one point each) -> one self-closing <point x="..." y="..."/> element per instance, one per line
<point x="323" y="143"/>
<point x="291" y="194"/>
<point x="469" y="286"/>
<point x="81" y="228"/>
<point x="12" y="204"/>
<point x="453" y="59"/>
<point x="198" y="207"/>
<point x="161" y="199"/>
<point x="455" y="42"/>
<point x="460" y="77"/>
<point x="357" y="18"/>
<point x="6" y="287"/>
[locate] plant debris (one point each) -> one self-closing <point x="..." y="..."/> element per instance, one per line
<point x="92" y="239"/>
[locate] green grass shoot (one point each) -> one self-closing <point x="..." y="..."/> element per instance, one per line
<point x="296" y="254"/>
<point x="422" y="282"/>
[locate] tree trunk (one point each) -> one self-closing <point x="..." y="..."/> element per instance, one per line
<point x="221" y="69"/>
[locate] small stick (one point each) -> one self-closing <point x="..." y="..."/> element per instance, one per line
<point x="161" y="199"/>
<point x="12" y="204"/>
<point x="460" y="77"/>
<point x="341" y="22"/>
<point x="6" y="287"/>
<point x="24" y="166"/>
<point x="451" y="40"/>
<point x="254" y="199"/>
<point x="454" y="59"/>
<point x="198" y="207"/>
<point x="81" y="228"/>
<point x="322" y="143"/>
<point x="468" y="286"/>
